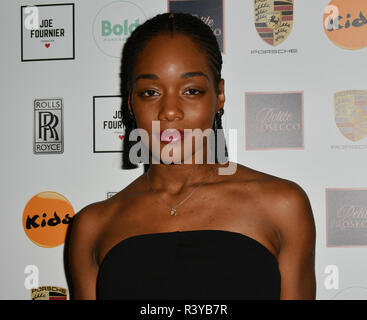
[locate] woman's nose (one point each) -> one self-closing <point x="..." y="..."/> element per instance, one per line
<point x="170" y="108"/>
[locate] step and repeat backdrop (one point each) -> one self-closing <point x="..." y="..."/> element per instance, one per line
<point x="296" y="92"/>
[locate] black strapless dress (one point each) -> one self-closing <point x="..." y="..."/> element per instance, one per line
<point x="196" y="264"/>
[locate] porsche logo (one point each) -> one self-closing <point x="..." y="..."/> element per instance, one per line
<point x="273" y="20"/>
<point x="350" y="110"/>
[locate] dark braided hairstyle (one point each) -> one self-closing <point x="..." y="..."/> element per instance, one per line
<point x="166" y="23"/>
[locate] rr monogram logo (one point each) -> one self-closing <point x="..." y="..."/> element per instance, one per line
<point x="47" y="124"/>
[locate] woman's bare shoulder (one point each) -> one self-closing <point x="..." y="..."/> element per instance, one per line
<point x="88" y="219"/>
<point x="267" y="181"/>
<point x="285" y="201"/>
<point x="94" y="214"/>
<point x="276" y="194"/>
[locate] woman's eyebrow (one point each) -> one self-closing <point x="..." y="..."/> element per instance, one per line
<point x="148" y="76"/>
<point x="194" y="74"/>
<point x="151" y="76"/>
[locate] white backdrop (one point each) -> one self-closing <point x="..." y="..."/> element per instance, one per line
<point x="319" y="68"/>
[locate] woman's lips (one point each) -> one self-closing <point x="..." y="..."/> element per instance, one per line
<point x="171" y="135"/>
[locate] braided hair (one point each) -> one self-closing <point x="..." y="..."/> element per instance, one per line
<point x="166" y="23"/>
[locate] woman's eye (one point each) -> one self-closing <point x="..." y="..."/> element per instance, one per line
<point x="192" y="91"/>
<point x="148" y="93"/>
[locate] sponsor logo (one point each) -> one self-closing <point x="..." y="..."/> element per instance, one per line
<point x="350" y="111"/>
<point x="48" y="126"/>
<point x="48" y="293"/>
<point x="47" y="32"/>
<point x="209" y="11"/>
<point x="346" y="215"/>
<point x="273" y="20"/>
<point x="273" y="51"/>
<point x="114" y="23"/>
<point x="345" y="23"/>
<point x="46" y="218"/>
<point x="274" y="120"/>
<point x="108" y="129"/>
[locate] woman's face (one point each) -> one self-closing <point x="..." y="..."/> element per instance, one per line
<point x="173" y="84"/>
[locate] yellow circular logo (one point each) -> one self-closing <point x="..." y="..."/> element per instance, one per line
<point x="46" y="218"/>
<point x="345" y="23"/>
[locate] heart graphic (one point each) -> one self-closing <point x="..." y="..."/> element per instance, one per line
<point x="47" y="45"/>
<point x="121" y="137"/>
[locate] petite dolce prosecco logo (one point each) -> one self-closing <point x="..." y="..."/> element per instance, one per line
<point x="346" y="213"/>
<point x="274" y="120"/>
<point x="268" y="119"/>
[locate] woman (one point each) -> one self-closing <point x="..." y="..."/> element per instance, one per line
<point x="185" y="231"/>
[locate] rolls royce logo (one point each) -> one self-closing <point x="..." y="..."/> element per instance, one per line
<point x="273" y="20"/>
<point x="48" y="126"/>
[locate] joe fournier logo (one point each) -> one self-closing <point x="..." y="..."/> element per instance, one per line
<point x="48" y="126"/>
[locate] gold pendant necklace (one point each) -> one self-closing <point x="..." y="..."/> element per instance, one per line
<point x="173" y="211"/>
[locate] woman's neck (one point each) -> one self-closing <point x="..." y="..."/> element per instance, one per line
<point x="175" y="178"/>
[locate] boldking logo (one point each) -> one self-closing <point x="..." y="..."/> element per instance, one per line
<point x="273" y="20"/>
<point x="345" y="23"/>
<point x="114" y="23"/>
<point x="108" y="29"/>
<point x="46" y="218"/>
<point x="350" y="111"/>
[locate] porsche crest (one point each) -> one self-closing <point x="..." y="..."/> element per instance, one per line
<point x="273" y="20"/>
<point x="350" y="110"/>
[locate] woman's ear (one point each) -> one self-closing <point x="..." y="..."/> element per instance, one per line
<point x="221" y="95"/>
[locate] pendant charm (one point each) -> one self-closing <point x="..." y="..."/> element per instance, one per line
<point x="173" y="212"/>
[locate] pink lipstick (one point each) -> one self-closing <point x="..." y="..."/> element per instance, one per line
<point x="171" y="135"/>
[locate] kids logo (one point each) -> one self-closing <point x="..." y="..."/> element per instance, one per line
<point x="46" y="218"/>
<point x="350" y="111"/>
<point x="273" y="20"/>
<point x="345" y="23"/>
<point x="114" y="23"/>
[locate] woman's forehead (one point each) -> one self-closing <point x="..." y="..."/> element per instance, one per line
<point x="175" y="51"/>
